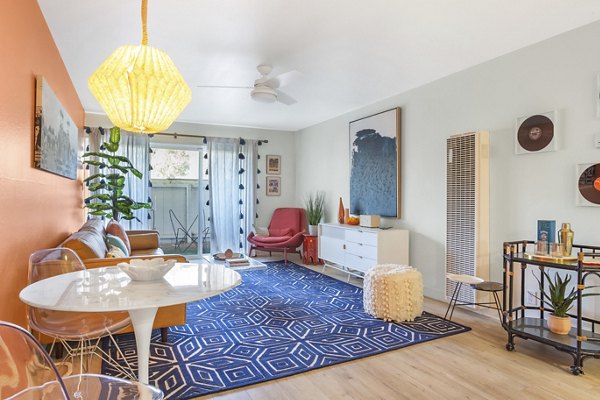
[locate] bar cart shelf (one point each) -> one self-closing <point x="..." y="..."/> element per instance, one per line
<point x="579" y="343"/>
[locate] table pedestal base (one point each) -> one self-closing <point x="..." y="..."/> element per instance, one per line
<point x="142" y="320"/>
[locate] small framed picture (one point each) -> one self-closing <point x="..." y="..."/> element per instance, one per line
<point x="273" y="186"/>
<point x="273" y="164"/>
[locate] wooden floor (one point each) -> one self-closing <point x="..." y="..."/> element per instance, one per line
<point x="472" y="365"/>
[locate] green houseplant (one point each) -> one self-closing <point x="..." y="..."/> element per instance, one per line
<point x="557" y="298"/>
<point x="107" y="198"/>
<point x="315" y="208"/>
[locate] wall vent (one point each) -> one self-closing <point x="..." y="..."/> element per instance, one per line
<point x="467" y="213"/>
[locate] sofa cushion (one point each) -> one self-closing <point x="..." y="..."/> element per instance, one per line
<point x="115" y="241"/>
<point x="147" y="252"/>
<point x="88" y="242"/>
<point x="144" y="241"/>
<point x="114" y="228"/>
<point x="115" y="252"/>
<point x="266" y="240"/>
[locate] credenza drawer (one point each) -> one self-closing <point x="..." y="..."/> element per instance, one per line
<point x="363" y="250"/>
<point x="359" y="263"/>
<point x="360" y="236"/>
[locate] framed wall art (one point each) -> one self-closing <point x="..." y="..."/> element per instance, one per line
<point x="587" y="191"/>
<point x="273" y="164"/>
<point x="55" y="134"/>
<point x="375" y="164"/>
<point x="273" y="186"/>
<point x="536" y="133"/>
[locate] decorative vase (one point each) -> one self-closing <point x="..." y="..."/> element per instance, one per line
<point x="313" y="230"/>
<point x="565" y="238"/>
<point x="341" y="212"/>
<point x="346" y="215"/>
<point x="559" y="325"/>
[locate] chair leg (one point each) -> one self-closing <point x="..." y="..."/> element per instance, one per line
<point x="452" y="299"/>
<point x="498" y="306"/>
<point x="455" y="300"/>
<point x="285" y="256"/>
<point x="164" y="334"/>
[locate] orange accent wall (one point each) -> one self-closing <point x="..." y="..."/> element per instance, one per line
<point x="37" y="209"/>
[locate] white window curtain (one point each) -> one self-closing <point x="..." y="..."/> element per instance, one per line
<point x="136" y="147"/>
<point x="232" y="192"/>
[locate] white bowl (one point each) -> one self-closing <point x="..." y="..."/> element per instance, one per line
<point x="146" y="270"/>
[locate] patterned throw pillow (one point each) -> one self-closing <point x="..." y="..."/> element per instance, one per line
<point x="115" y="252"/>
<point x="114" y="228"/>
<point x="115" y="241"/>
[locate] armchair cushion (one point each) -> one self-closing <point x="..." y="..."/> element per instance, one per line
<point x="281" y="232"/>
<point x="271" y="240"/>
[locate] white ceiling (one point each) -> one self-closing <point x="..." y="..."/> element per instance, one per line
<point x="352" y="53"/>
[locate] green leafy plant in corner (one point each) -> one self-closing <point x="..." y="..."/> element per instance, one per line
<point x="315" y="207"/>
<point x="556" y="296"/>
<point x="107" y="198"/>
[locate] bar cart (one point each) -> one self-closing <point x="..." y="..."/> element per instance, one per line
<point x="579" y="343"/>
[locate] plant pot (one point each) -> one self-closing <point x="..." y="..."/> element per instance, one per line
<point x="559" y="325"/>
<point x="313" y="230"/>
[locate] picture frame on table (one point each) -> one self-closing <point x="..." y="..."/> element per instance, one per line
<point x="273" y="164"/>
<point x="56" y="137"/>
<point x="273" y="186"/>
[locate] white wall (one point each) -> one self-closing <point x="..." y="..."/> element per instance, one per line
<point x="559" y="73"/>
<point x="280" y="142"/>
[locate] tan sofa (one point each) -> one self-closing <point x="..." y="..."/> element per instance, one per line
<point x="90" y="244"/>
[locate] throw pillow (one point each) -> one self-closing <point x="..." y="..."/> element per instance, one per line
<point x="115" y="241"/>
<point x="260" y="231"/>
<point x="115" y="252"/>
<point x="280" y="232"/>
<point x="114" y="228"/>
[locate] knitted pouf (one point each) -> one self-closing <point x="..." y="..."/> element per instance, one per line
<point x="393" y="292"/>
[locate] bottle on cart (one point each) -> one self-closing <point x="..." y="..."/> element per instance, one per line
<point x="565" y="238"/>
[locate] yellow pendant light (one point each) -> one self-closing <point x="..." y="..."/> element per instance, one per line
<point x="139" y="87"/>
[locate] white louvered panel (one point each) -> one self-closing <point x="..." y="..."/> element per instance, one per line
<point x="467" y="249"/>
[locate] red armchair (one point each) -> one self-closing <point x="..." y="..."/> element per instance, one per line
<point x="285" y="233"/>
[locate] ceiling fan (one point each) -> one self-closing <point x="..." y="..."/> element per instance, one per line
<point x="265" y="89"/>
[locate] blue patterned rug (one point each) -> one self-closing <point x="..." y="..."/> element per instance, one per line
<point x="280" y="321"/>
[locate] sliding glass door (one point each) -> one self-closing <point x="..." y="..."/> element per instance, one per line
<point x="180" y="214"/>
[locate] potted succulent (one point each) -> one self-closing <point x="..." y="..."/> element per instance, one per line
<point x="315" y="208"/>
<point x="557" y="298"/>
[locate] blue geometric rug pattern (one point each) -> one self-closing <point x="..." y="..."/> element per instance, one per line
<point x="280" y="321"/>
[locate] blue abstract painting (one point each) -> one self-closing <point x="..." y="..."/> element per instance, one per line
<point x="374" y="164"/>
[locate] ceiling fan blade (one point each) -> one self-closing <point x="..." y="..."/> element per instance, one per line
<point x="225" y="87"/>
<point x="284" y="79"/>
<point x="285" y="99"/>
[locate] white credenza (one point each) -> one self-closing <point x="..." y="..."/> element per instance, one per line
<point x="355" y="249"/>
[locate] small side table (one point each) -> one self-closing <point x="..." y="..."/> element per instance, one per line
<point x="310" y="250"/>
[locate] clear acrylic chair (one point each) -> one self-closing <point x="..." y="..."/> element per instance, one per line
<point x="28" y="373"/>
<point x="85" y="329"/>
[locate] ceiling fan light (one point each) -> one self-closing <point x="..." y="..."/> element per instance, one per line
<point x="263" y="94"/>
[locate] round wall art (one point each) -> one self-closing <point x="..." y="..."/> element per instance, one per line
<point x="588" y="184"/>
<point x="535" y="133"/>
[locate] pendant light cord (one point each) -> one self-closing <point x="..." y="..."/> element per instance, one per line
<point x="144" y="22"/>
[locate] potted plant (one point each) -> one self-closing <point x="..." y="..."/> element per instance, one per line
<point x="557" y="298"/>
<point x="107" y="185"/>
<point x="315" y="207"/>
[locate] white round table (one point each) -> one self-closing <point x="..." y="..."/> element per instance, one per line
<point x="108" y="289"/>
